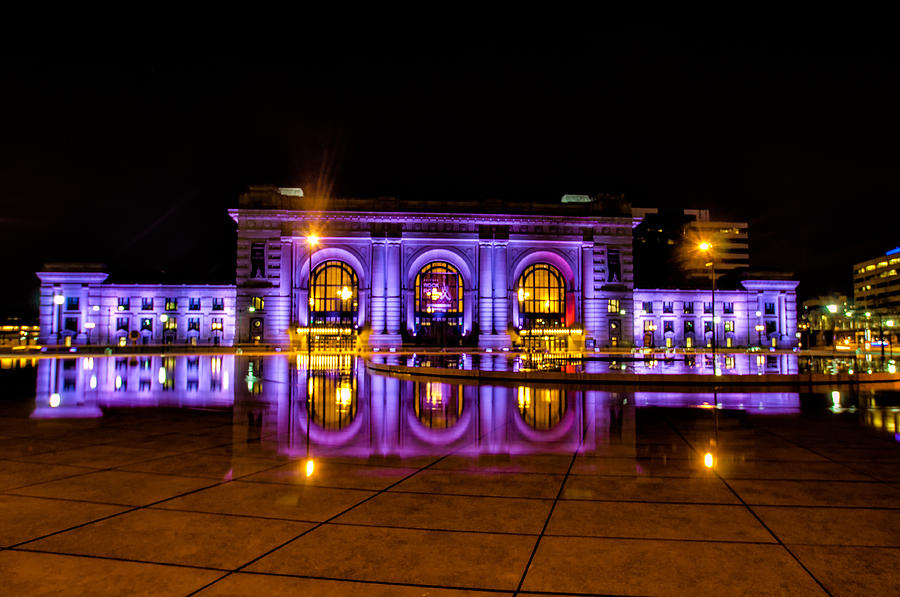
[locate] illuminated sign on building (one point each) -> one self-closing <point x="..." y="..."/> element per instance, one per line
<point x="439" y="291"/>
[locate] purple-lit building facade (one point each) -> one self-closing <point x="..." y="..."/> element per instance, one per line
<point x="387" y="272"/>
<point x="764" y="313"/>
<point x="77" y="307"/>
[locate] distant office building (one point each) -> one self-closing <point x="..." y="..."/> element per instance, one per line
<point x="665" y="247"/>
<point x="876" y="285"/>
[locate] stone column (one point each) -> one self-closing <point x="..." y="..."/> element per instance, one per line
<point x="501" y="291"/>
<point x="485" y="288"/>
<point x="393" y="306"/>
<point x="378" y="286"/>
<point x="590" y="307"/>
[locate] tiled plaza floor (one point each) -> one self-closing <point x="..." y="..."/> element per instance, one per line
<point x="174" y="502"/>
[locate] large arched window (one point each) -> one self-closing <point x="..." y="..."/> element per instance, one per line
<point x="439" y="289"/>
<point x="334" y="296"/>
<point x="541" y="293"/>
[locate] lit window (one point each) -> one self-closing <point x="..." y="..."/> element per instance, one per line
<point x="217" y="323"/>
<point x="870" y="268"/>
<point x="147" y="323"/>
<point x="258" y="260"/>
<point x="612" y="306"/>
<point x="688" y="327"/>
<point x="257" y="303"/>
<point x="171" y="304"/>
<point x="334" y="297"/>
<point x="729" y="326"/>
<point x="882" y="264"/>
<point x="171" y="323"/>
<point x="124" y="304"/>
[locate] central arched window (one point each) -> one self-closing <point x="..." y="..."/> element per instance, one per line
<point x="541" y="293"/>
<point x="439" y="289"/>
<point x="334" y="296"/>
<point x="439" y="300"/>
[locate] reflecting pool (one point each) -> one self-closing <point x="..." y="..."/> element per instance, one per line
<point x="335" y="405"/>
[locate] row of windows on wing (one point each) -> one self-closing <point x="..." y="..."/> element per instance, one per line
<point x="687" y="307"/>
<point x="171" y="304"/>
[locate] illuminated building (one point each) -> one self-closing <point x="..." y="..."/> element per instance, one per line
<point x="78" y="308"/>
<point x="385" y="272"/>
<point x="876" y="284"/>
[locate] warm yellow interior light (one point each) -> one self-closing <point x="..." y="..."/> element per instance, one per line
<point x="310" y="466"/>
<point x="708" y="460"/>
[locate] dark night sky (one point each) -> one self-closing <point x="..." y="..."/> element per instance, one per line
<point x="133" y="163"/>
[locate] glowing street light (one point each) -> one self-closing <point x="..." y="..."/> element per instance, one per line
<point x="708" y="460"/>
<point x="310" y="467"/>
<point x="58" y="299"/>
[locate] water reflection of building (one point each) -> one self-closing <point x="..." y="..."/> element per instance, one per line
<point x="337" y="407"/>
<point x="83" y="386"/>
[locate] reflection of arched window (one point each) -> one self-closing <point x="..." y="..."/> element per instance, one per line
<point x="438" y="405"/>
<point x="541" y="408"/>
<point x="334" y="394"/>
<point x="439" y="289"/>
<point x="541" y="293"/>
<point x="334" y="296"/>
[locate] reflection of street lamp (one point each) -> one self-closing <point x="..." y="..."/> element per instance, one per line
<point x="707" y="250"/>
<point x="759" y="330"/>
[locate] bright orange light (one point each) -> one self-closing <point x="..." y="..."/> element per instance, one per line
<point x="708" y="460"/>
<point x="309" y="467"/>
<point x="312" y="239"/>
<point x="704" y="246"/>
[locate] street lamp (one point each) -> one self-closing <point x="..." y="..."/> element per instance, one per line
<point x="707" y="250"/>
<point x="58" y="300"/>
<point x="312" y="240"/>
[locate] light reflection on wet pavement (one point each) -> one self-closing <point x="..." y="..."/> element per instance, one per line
<point x="168" y="475"/>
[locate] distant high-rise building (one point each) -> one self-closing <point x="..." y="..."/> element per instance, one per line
<point x="876" y="284"/>
<point x="665" y="247"/>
